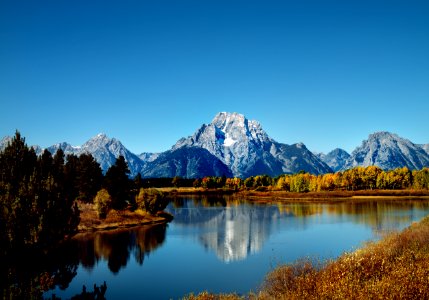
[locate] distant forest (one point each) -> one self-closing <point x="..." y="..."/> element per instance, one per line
<point x="38" y="193"/>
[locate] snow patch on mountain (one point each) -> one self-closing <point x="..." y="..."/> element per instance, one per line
<point x="247" y="149"/>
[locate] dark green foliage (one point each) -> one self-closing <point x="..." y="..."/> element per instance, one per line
<point x="138" y="181"/>
<point x="34" y="208"/>
<point x="89" y="177"/>
<point x="70" y="176"/>
<point x="83" y="177"/>
<point x="118" y="184"/>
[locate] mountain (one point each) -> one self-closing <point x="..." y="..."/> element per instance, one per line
<point x="105" y="151"/>
<point x="7" y="139"/>
<point x="247" y="150"/>
<point x="388" y="151"/>
<point x="148" y="156"/>
<point x="334" y="159"/>
<point x="4" y="141"/>
<point x="187" y="162"/>
<point x="426" y="148"/>
<point x="232" y="145"/>
<point x="66" y="147"/>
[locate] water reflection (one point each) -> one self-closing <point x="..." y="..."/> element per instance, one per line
<point x="28" y="275"/>
<point x="116" y="246"/>
<point x="231" y="228"/>
<point x="234" y="228"/>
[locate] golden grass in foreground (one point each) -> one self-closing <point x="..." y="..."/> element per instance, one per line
<point x="396" y="267"/>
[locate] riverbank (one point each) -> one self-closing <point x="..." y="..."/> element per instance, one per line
<point x="396" y="267"/>
<point x="89" y="220"/>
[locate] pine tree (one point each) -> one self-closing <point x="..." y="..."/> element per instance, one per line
<point x="118" y="184"/>
<point x="89" y="177"/>
<point x="34" y="211"/>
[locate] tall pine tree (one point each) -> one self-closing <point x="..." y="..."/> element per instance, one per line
<point x="118" y="184"/>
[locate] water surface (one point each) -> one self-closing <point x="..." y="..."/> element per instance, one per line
<point x="223" y="245"/>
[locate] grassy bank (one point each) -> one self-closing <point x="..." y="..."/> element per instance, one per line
<point x="89" y="220"/>
<point x="396" y="267"/>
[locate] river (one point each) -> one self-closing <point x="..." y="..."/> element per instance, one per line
<point x="222" y="244"/>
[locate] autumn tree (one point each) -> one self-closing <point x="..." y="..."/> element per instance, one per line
<point x="151" y="200"/>
<point x="421" y="179"/>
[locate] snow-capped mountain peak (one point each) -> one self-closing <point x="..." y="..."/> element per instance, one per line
<point x="247" y="149"/>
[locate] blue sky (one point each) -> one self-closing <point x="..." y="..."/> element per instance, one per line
<point x="325" y="73"/>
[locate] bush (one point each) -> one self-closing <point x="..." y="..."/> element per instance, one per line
<point x="151" y="200"/>
<point x="103" y="203"/>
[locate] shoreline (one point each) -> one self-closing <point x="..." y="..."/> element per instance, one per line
<point x="394" y="267"/>
<point x="90" y="222"/>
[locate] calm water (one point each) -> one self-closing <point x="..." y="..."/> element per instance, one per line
<point x="223" y="246"/>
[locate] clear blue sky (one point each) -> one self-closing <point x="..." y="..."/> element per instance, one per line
<point x="325" y="73"/>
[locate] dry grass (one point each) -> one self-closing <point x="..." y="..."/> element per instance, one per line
<point x="396" y="267"/>
<point x="209" y="296"/>
<point x="89" y="220"/>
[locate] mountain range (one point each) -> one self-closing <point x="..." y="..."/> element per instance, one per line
<point x="232" y="145"/>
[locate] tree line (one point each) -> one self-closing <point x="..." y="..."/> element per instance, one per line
<point x="358" y="178"/>
<point x="38" y="194"/>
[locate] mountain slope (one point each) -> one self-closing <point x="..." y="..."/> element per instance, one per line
<point x="426" y="148"/>
<point x="186" y="162"/>
<point x="105" y="151"/>
<point x="388" y="151"/>
<point x="247" y="150"/>
<point x="335" y="159"/>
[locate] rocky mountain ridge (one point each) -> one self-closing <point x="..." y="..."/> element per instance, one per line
<point x="232" y="145"/>
<point x="388" y="151"/>
<point x="335" y="159"/>
<point x="247" y="150"/>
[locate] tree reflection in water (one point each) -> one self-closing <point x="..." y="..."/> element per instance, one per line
<point x="116" y="246"/>
<point x="30" y="275"/>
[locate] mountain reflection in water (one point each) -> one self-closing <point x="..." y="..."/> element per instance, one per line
<point x="233" y="228"/>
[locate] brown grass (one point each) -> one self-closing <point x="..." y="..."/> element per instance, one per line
<point x="397" y="267"/>
<point x="89" y="220"/>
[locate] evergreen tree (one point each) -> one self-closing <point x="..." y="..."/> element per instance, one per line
<point x="118" y="184"/>
<point x="89" y="177"/>
<point x="33" y="209"/>
<point x="70" y="177"/>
